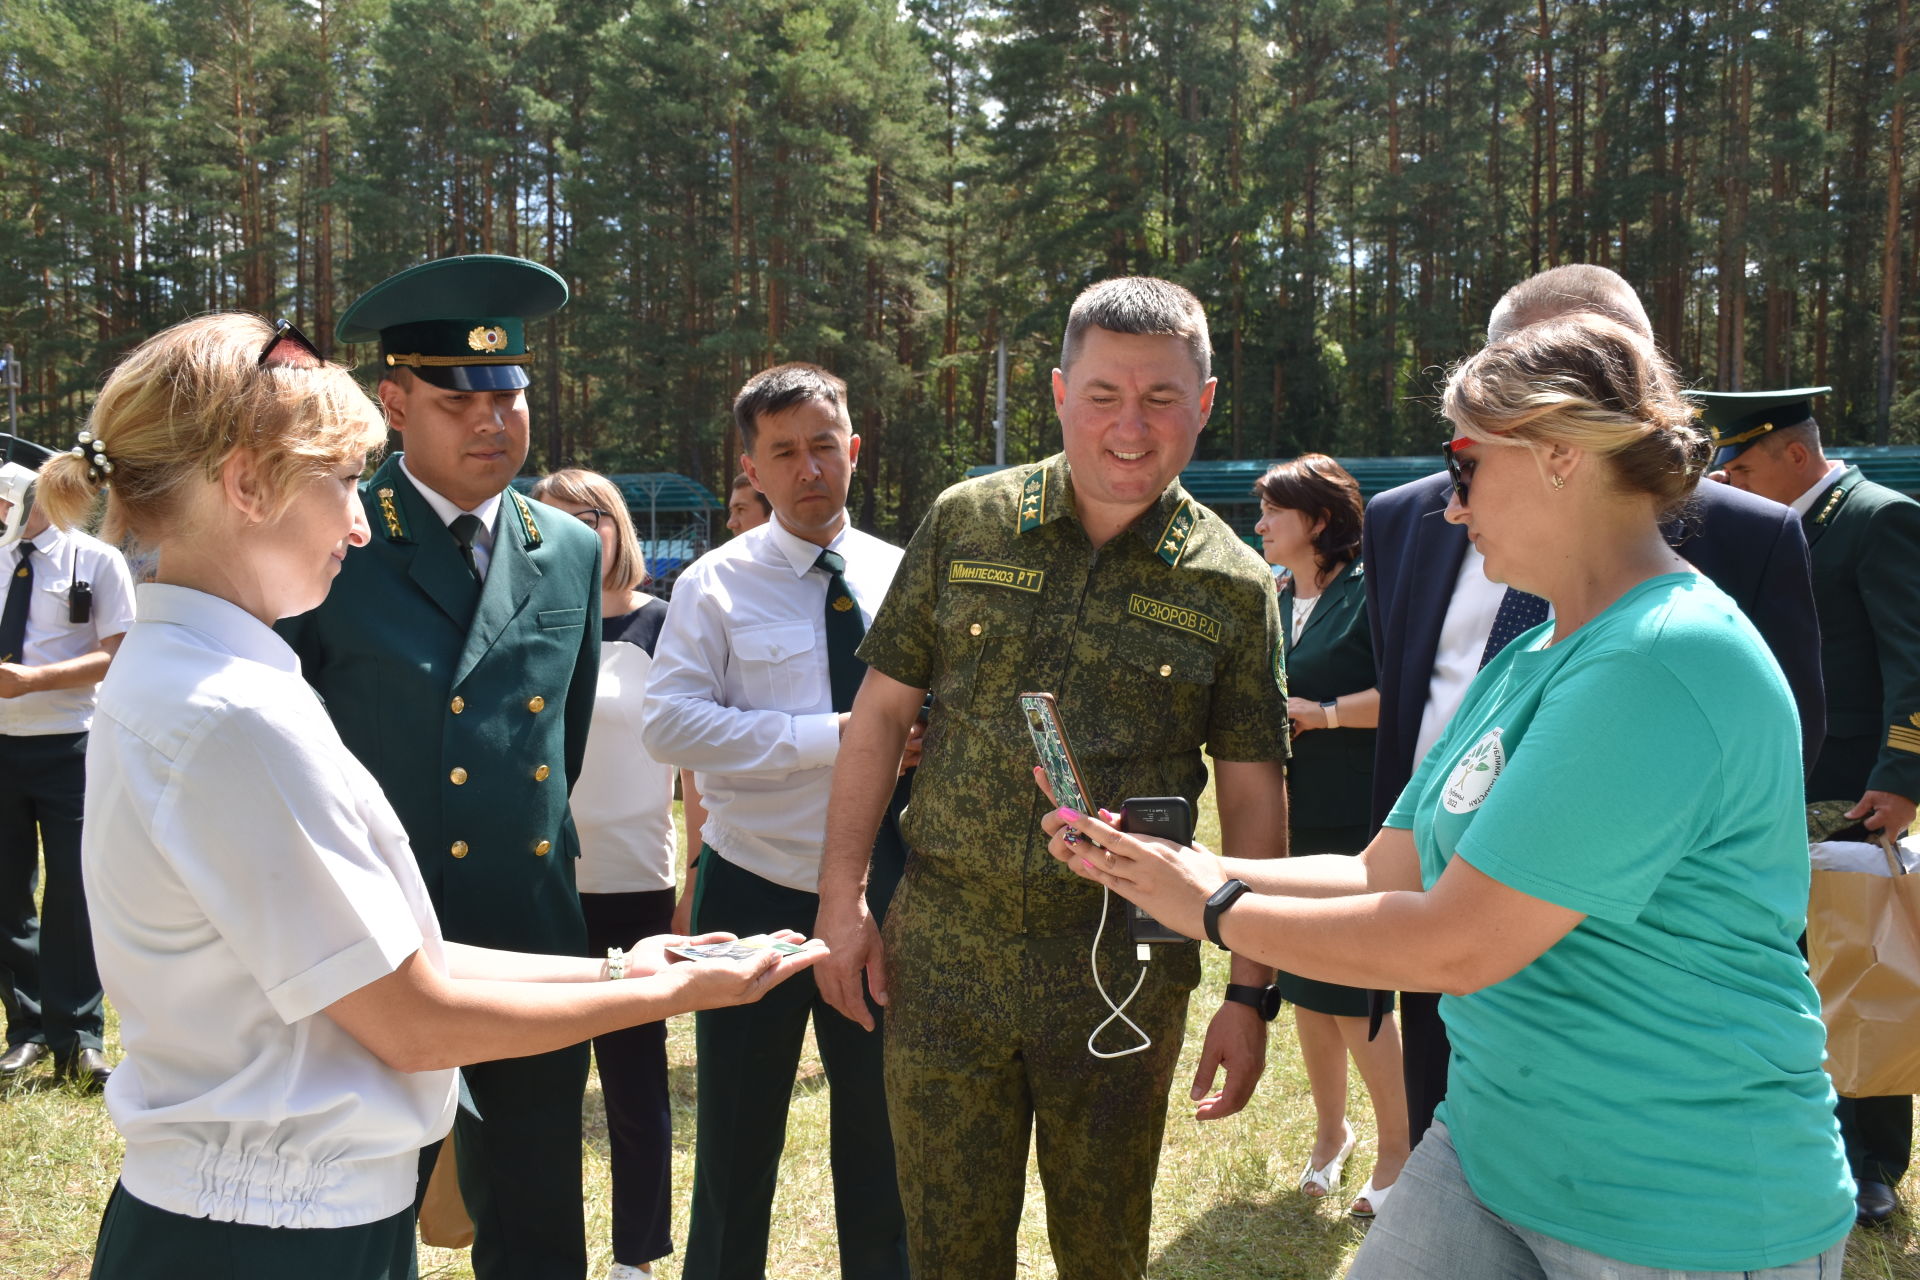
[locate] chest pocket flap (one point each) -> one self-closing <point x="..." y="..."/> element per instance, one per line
<point x="773" y="642"/>
<point x="777" y="666"/>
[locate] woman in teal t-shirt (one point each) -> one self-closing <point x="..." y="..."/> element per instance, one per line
<point x="1601" y="863"/>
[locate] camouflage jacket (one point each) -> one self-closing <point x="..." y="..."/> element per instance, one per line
<point x="1164" y="640"/>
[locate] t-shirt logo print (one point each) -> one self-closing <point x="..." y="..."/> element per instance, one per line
<point x="1474" y="776"/>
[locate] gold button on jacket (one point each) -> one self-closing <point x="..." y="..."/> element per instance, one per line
<point x="536" y="704"/>
<point x="540" y="850"/>
<point x="541" y="774"/>
<point x="458" y="704"/>
<point x="458" y="777"/>
<point x="459" y="849"/>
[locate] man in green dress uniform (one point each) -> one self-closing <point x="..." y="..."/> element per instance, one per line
<point x="1094" y="576"/>
<point x="1864" y="540"/>
<point x="458" y="654"/>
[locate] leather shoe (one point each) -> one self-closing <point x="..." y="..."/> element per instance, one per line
<point x="1875" y="1203"/>
<point x="88" y="1068"/>
<point x="20" y="1057"/>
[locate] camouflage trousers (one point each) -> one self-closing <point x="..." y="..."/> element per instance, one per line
<point x="986" y="1046"/>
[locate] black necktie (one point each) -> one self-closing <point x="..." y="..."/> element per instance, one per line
<point x="845" y="671"/>
<point x="1518" y="612"/>
<point x="465" y="528"/>
<point x="13" y="619"/>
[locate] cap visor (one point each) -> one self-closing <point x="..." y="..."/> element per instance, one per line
<point x="475" y="377"/>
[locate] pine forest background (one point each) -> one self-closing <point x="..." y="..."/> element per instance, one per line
<point x="894" y="189"/>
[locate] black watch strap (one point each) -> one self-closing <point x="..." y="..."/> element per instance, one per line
<point x="1223" y="897"/>
<point x="1263" y="1000"/>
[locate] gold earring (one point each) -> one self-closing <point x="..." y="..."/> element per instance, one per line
<point x="1559" y="482"/>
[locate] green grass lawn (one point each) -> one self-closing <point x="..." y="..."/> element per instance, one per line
<point x="1226" y="1205"/>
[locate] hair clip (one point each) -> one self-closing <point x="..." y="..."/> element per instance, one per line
<point x="99" y="466"/>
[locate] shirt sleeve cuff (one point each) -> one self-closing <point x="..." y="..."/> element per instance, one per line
<point x="345" y="972"/>
<point x="817" y="739"/>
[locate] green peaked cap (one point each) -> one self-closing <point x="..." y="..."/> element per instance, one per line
<point x="459" y="323"/>
<point x="1738" y="419"/>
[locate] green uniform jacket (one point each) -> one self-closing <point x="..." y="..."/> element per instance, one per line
<point x="1864" y="539"/>
<point x="469" y="704"/>
<point x="1330" y="778"/>
<point x="1164" y="640"/>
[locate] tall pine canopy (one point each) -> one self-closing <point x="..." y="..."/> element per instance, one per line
<point x="896" y="189"/>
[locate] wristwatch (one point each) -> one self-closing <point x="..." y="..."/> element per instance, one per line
<point x="1332" y="708"/>
<point x="1264" y="1001"/>
<point x="1223" y="897"/>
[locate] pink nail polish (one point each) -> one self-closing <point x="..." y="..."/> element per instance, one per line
<point x="1069" y="815"/>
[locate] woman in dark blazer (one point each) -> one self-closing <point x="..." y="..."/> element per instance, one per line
<point x="1310" y="512"/>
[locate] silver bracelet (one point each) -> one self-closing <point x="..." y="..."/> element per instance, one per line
<point x="616" y="964"/>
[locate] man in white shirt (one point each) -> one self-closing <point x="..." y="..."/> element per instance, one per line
<point x="67" y="603"/>
<point x="753" y="677"/>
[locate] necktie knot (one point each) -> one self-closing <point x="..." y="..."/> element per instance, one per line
<point x="465" y="528"/>
<point x="831" y="561"/>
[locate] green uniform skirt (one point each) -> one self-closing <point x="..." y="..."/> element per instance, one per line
<point x="1326" y="997"/>
<point x="140" y="1242"/>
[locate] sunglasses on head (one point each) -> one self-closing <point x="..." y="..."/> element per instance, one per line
<point x="1459" y="474"/>
<point x="289" y="346"/>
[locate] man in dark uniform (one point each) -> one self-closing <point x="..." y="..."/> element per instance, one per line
<point x="458" y="654"/>
<point x="1094" y="576"/>
<point x="1865" y="542"/>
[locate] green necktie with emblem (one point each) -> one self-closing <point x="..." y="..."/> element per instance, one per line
<point x="845" y="630"/>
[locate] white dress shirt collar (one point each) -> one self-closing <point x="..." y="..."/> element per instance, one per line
<point x="221" y="620"/>
<point x="47" y="543"/>
<point x="796" y="550"/>
<point x="1804" y="503"/>
<point x="448" y="511"/>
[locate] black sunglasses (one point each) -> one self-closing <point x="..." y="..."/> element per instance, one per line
<point x="301" y="354"/>
<point x="1459" y="474"/>
<point x="591" y="517"/>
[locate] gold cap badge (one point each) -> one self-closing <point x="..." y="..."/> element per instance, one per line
<point x="487" y="337"/>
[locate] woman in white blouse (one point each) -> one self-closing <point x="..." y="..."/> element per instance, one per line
<point x="290" y="1013"/>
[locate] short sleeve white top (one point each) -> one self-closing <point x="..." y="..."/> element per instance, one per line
<point x="61" y="559"/>
<point x="244" y="872"/>
<point x="623" y="802"/>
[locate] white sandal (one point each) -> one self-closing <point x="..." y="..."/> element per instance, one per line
<point x="1319" y="1183"/>
<point x="1375" y="1197"/>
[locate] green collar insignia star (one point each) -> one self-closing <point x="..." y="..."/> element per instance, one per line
<point x="1173" y="539"/>
<point x="390" y="515"/>
<point x="1841" y="488"/>
<point x="528" y="528"/>
<point x="1033" y="500"/>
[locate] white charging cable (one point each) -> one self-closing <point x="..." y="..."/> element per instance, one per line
<point x="1118" y="1010"/>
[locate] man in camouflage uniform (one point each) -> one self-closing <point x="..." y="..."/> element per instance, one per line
<point x="1092" y="575"/>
